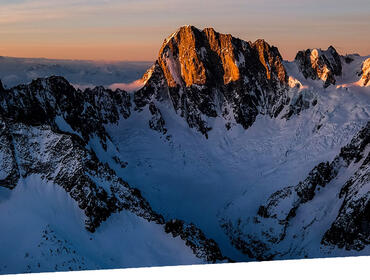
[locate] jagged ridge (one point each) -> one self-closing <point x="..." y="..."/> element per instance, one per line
<point x="318" y="64"/>
<point x="207" y="74"/>
<point x="33" y="143"/>
<point x="351" y="227"/>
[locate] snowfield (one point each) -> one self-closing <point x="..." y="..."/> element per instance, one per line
<point x="43" y="230"/>
<point x="233" y="171"/>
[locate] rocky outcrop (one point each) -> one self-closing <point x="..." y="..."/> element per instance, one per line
<point x="41" y="101"/>
<point x="205" y="74"/>
<point x="202" y="247"/>
<point x="9" y="173"/>
<point x="260" y="237"/>
<point x="271" y="59"/>
<point x="156" y="122"/>
<point x="365" y="73"/>
<point x="301" y="100"/>
<point x="351" y="228"/>
<point x="317" y="64"/>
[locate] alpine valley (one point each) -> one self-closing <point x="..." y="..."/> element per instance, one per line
<point x="226" y="153"/>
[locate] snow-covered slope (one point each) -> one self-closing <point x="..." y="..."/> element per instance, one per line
<point x="226" y="153"/>
<point x="184" y="174"/>
<point x="45" y="135"/>
<point x="43" y="230"/>
<point x="311" y="219"/>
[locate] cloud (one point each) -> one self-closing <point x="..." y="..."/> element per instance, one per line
<point x="130" y="87"/>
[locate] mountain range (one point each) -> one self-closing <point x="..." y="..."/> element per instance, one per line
<point x="226" y="153"/>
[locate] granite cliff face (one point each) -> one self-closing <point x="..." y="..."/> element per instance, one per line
<point x="205" y="74"/>
<point x="365" y="73"/>
<point x="317" y="64"/>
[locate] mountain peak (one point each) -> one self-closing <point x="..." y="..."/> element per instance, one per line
<point x="191" y="56"/>
<point x="178" y="58"/>
<point x="205" y="73"/>
<point x="318" y="64"/>
<point x="185" y="29"/>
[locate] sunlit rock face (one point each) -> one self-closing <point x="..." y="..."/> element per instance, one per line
<point x="272" y="61"/>
<point x="365" y="78"/>
<point x="222" y="46"/>
<point x="317" y="64"/>
<point x="207" y="74"/>
<point x="194" y="57"/>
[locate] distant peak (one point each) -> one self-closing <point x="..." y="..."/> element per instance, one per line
<point x="56" y="80"/>
<point x="318" y="64"/>
<point x="330" y="51"/>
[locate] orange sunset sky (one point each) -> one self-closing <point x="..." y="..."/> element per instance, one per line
<point x="135" y="29"/>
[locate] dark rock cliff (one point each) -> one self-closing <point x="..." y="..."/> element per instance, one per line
<point x="317" y="64"/>
<point x="207" y="74"/>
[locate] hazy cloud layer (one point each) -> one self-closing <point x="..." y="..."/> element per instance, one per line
<point x="82" y="74"/>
